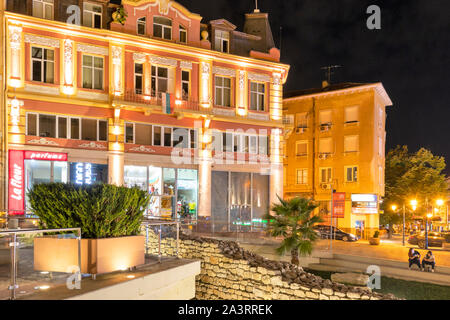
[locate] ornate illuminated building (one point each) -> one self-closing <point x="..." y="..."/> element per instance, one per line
<point x="337" y="142"/>
<point x="153" y="98"/>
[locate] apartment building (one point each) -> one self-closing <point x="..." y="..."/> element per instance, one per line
<point x="336" y="142"/>
<point x="189" y="111"/>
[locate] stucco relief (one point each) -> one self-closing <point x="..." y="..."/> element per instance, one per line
<point x="224" y="71"/>
<point x="258" y="77"/>
<point x="41" y="41"/>
<point x="86" y="48"/>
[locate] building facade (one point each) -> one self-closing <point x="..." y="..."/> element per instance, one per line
<point x="336" y="141"/>
<point x="190" y="112"/>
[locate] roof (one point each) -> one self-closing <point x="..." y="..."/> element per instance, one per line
<point x="333" y="88"/>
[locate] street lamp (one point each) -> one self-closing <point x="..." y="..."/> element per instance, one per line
<point x="429" y="216"/>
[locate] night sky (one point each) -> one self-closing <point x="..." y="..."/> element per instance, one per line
<point x="410" y="55"/>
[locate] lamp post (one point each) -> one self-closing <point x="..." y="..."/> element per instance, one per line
<point x="429" y="215"/>
<point x="439" y="204"/>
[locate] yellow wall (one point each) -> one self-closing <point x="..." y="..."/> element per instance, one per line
<point x="370" y="127"/>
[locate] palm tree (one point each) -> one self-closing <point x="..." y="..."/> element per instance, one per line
<point x="293" y="220"/>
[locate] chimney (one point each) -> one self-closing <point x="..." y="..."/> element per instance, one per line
<point x="257" y="24"/>
<point x="325" y="84"/>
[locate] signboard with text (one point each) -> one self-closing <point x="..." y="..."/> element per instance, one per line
<point x="364" y="204"/>
<point x="339" y="205"/>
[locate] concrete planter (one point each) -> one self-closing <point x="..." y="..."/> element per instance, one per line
<point x="374" y="241"/>
<point x="97" y="255"/>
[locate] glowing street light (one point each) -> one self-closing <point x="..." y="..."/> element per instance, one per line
<point x="394" y="207"/>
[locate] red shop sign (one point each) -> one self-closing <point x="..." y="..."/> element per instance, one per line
<point x="338" y="205"/>
<point x="16" y="174"/>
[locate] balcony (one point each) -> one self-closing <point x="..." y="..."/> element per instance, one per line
<point x="140" y="100"/>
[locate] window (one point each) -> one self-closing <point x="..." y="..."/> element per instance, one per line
<point x="92" y="72"/>
<point x="263" y="145"/>
<point x="32" y="124"/>
<point x="92" y="15"/>
<point x="253" y="149"/>
<point x="167" y="137"/>
<point x="43" y="64"/>
<point x="129" y="133"/>
<point x="236" y="143"/>
<point x="326" y="146"/>
<point x="143" y="134"/>
<point x="62" y="127"/>
<point x="351" y="115"/>
<point x="141" y="26"/>
<point x="156" y="136"/>
<point x="222" y="41"/>
<point x="162" y="28"/>
<point x="138" y="77"/>
<point x="326" y="175"/>
<point x="93" y="130"/>
<point x="160" y="80"/>
<point x="193" y="137"/>
<point x="351" y="174"/>
<point x="180" y="138"/>
<point x="325" y="117"/>
<point x="301" y="148"/>
<point x="43" y="9"/>
<point x="185" y="79"/>
<point x="302" y="176"/>
<point x="227" y="139"/>
<point x="47" y="126"/>
<point x="301" y="120"/>
<point x="75" y="128"/>
<point x="257" y="93"/>
<point x="223" y="91"/>
<point x="351" y="143"/>
<point x="183" y="34"/>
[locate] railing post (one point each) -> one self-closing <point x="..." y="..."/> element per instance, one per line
<point x="178" y="239"/>
<point x="159" y="246"/>
<point x="79" y="256"/>
<point x="146" y="238"/>
<point x="13" y="285"/>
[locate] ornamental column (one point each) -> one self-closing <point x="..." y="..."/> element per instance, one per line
<point x="16" y="59"/>
<point x="276" y="167"/>
<point x="204" y="169"/>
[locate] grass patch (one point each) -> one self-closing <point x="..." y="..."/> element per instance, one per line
<point x="409" y="290"/>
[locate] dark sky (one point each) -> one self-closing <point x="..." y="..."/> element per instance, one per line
<point x="410" y="55"/>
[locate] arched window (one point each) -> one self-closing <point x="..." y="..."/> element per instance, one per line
<point x="162" y="28"/>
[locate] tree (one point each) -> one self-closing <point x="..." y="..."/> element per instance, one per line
<point x="293" y="220"/>
<point x="412" y="175"/>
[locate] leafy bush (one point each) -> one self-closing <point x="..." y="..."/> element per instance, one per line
<point x="100" y="210"/>
<point x="376" y="234"/>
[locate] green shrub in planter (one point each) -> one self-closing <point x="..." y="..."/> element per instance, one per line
<point x="100" y="210"/>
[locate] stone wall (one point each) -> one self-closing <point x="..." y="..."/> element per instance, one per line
<point x="231" y="273"/>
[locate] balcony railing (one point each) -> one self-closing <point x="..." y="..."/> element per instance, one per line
<point x="132" y="97"/>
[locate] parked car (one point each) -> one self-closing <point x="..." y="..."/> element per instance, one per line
<point x="326" y="232"/>
<point x="435" y="239"/>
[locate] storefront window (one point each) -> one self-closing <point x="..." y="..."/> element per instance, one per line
<point x="60" y="172"/>
<point x="240" y="210"/>
<point x="219" y="200"/>
<point x="187" y="191"/>
<point x="82" y="173"/>
<point x="135" y="177"/>
<point x="260" y="197"/>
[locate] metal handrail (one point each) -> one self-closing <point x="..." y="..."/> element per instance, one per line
<point x="147" y="223"/>
<point x="13" y="245"/>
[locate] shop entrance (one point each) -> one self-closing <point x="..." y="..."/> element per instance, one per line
<point x="360" y="228"/>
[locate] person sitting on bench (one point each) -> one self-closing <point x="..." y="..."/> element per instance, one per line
<point x="429" y="260"/>
<point x="414" y="258"/>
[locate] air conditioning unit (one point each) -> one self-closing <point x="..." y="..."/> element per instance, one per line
<point x="325" y="186"/>
<point x="325" y="127"/>
<point x="324" y="156"/>
<point x="300" y="130"/>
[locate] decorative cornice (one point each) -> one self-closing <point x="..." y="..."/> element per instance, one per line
<point x="87" y="48"/>
<point x="140" y="57"/>
<point x="35" y="88"/>
<point x="92" y="95"/>
<point x="163" y="61"/>
<point x="258" y="77"/>
<point x="224" y="71"/>
<point x="258" y="116"/>
<point x="225" y="112"/>
<point x="186" y="65"/>
<point x="41" y="41"/>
